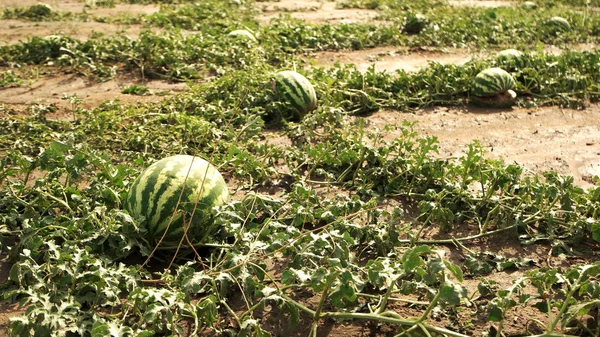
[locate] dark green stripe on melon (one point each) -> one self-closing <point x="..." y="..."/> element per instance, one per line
<point x="155" y="197"/>
<point x="296" y="90"/>
<point x="491" y="82"/>
<point x="493" y="88"/>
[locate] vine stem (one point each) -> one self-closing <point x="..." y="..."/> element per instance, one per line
<point x="466" y="238"/>
<point x="553" y="335"/>
<point x="317" y="314"/>
<point x="386" y="297"/>
<point x="396" y="299"/>
<point x="385" y="317"/>
<point x="565" y="304"/>
<point x="393" y="320"/>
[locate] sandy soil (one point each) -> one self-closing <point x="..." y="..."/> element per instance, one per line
<point x="78" y="6"/>
<point x="393" y="58"/>
<point x="313" y="11"/>
<point x="481" y="3"/>
<point x="50" y="89"/>
<point x="20" y="30"/>
<point x="540" y="139"/>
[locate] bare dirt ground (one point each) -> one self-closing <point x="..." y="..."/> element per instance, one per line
<point x="540" y="139"/>
<point x="77" y="6"/>
<point x="313" y="11"/>
<point x="481" y="3"/>
<point x="20" y="30"/>
<point x="54" y="88"/>
<point x="391" y="59"/>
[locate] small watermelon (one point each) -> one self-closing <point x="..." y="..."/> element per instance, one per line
<point x="529" y="5"/>
<point x="296" y="90"/>
<point x="415" y="23"/>
<point x="174" y="193"/>
<point x="493" y="88"/>
<point x="38" y="11"/>
<point x="559" y="24"/>
<point x="510" y="57"/>
<point x="242" y="34"/>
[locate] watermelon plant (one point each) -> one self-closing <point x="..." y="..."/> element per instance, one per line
<point x="296" y="91"/>
<point x="492" y="87"/>
<point x="173" y="198"/>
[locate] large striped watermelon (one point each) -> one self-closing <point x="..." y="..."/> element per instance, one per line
<point x="296" y="90"/>
<point x="492" y="87"/>
<point x="558" y="24"/>
<point x="174" y="193"/>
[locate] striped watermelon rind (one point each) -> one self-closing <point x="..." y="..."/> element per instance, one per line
<point x="242" y="34"/>
<point x="296" y="90"/>
<point x="559" y="24"/>
<point x="509" y="54"/>
<point x="492" y="81"/>
<point x="175" y="193"/>
<point x="510" y="57"/>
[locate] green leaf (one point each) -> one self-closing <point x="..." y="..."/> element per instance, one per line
<point x="412" y="258"/>
<point x="456" y="271"/>
<point x="319" y="279"/>
<point x="452" y="293"/>
<point x="581" y="309"/>
<point x="344" y="292"/>
<point x="496" y="314"/>
<point x="477" y="266"/>
<point x="596" y="228"/>
<point x="100" y="329"/>
<point x="542" y="306"/>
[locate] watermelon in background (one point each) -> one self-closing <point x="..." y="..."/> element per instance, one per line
<point x="242" y="34"/>
<point x="176" y="193"/>
<point x="492" y="87"/>
<point x="415" y="23"/>
<point x="510" y="60"/>
<point x="558" y="24"/>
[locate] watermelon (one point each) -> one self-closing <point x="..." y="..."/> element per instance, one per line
<point x="529" y="5"/>
<point x="296" y="90"/>
<point x="559" y="24"/>
<point x="242" y="34"/>
<point x="493" y="88"/>
<point x="511" y="57"/>
<point x="175" y="193"/>
<point x="415" y="23"/>
<point x="40" y="10"/>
